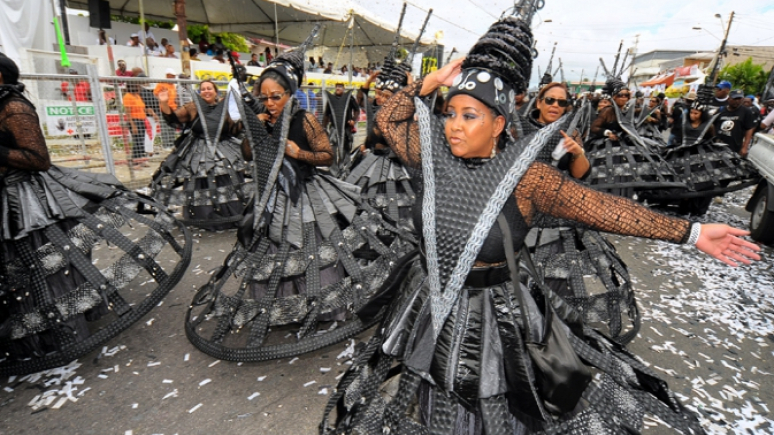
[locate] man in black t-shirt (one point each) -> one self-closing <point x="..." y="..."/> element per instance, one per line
<point x="722" y="91"/>
<point x="755" y="110"/>
<point x="734" y="125"/>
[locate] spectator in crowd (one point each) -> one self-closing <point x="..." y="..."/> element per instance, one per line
<point x="676" y="118"/>
<point x="310" y="66"/>
<point x="253" y="60"/>
<point x="81" y="91"/>
<point x="219" y="57"/>
<point x="137" y="113"/>
<point x="735" y="124"/>
<point x="267" y="55"/>
<point x="184" y="95"/>
<point x="235" y="56"/>
<point x="134" y="41"/>
<point x="136" y="71"/>
<point x="312" y="99"/>
<point x="170" y="52"/>
<point x="152" y="48"/>
<point x="193" y="54"/>
<point x="218" y="45"/>
<point x="122" y="71"/>
<point x="163" y="43"/>
<point x="167" y="131"/>
<point x="722" y="91"/>
<point x="767" y="125"/>
<point x="148" y="33"/>
<point x="303" y="99"/>
<point x="204" y="44"/>
<point x="749" y="103"/>
<point x="344" y="70"/>
<point x="104" y="39"/>
<point x="329" y="69"/>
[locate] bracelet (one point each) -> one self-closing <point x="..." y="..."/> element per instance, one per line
<point x="607" y="133"/>
<point x="694" y="236"/>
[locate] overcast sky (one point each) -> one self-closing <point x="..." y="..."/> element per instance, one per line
<point x="586" y="30"/>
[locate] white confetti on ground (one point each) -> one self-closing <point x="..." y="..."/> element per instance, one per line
<point x="732" y="309"/>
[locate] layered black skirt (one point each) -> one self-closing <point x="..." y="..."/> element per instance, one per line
<point x="295" y="287"/>
<point x="385" y="185"/>
<point x="209" y="184"/>
<point x="75" y="248"/>
<point x="476" y="377"/>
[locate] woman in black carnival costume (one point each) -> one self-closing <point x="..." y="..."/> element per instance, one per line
<point x="55" y="221"/>
<point x="205" y="174"/>
<point x="707" y="166"/>
<point x="564" y="255"/>
<point x="465" y="332"/>
<point x="384" y="182"/>
<point x="307" y="255"/>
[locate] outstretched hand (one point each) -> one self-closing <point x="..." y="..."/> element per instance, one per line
<point x="725" y="243"/>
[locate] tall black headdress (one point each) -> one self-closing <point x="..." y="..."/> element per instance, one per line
<point x="395" y="77"/>
<point x="614" y="84"/>
<point x="498" y="67"/>
<point x="383" y="79"/>
<point x="290" y="64"/>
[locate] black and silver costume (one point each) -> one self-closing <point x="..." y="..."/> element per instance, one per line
<point x="205" y="173"/>
<point x="74" y="245"/>
<point x="308" y="253"/>
<point x="579" y="264"/>
<point x="453" y="326"/>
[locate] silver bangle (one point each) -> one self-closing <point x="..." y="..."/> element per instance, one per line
<point x="695" y="231"/>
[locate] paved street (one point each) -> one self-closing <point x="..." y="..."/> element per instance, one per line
<point x="707" y="329"/>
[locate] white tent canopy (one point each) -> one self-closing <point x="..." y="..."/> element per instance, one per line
<point x="288" y="20"/>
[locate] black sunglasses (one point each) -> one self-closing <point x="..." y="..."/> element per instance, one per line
<point x="275" y="97"/>
<point x="550" y="101"/>
<point x="624" y="95"/>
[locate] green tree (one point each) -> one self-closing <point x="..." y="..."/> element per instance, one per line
<point x="747" y="76"/>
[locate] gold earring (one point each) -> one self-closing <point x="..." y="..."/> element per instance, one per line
<point x="494" y="149"/>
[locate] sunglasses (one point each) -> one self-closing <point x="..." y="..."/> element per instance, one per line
<point x="275" y="97"/>
<point x="550" y="101"/>
<point x="624" y="95"/>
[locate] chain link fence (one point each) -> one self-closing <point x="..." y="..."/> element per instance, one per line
<point x="114" y="124"/>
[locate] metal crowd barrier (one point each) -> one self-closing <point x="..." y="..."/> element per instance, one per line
<point x="85" y="119"/>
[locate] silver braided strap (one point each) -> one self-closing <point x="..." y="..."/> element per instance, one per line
<point x="443" y="301"/>
<point x="695" y="232"/>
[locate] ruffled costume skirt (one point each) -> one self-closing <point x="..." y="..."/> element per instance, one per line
<point x="75" y="248"/>
<point x="709" y="169"/>
<point x="385" y="185"/>
<point x="294" y="288"/>
<point x="624" y="167"/>
<point x="209" y="185"/>
<point x="582" y="267"/>
<point x="477" y="377"/>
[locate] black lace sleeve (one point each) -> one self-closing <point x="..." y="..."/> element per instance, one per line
<point x="543" y="190"/>
<point x="322" y="152"/>
<point x="19" y="121"/>
<point x="396" y="122"/>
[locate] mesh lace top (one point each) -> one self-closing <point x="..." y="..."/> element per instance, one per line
<point x="543" y="190"/>
<point x="22" y="145"/>
<point x="310" y="137"/>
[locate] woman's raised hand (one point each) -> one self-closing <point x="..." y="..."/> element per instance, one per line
<point x="441" y="77"/>
<point x="726" y="244"/>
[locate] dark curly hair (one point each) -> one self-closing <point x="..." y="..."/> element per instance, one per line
<point x="505" y="49"/>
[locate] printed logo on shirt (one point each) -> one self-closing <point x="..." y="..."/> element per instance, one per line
<point x="727" y="125"/>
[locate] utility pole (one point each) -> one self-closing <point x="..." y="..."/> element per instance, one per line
<point x="713" y="77"/>
<point x="182" y="34"/>
<point x="633" y="51"/>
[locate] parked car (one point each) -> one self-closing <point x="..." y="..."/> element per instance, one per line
<point x="761" y="204"/>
